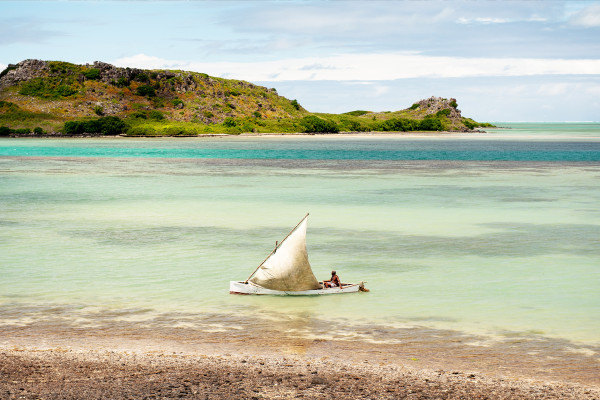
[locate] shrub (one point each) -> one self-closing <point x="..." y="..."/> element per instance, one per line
<point x="4" y="131"/>
<point x="73" y="127"/>
<point x="399" y="125"/>
<point x="469" y="124"/>
<point x="453" y="103"/>
<point x="92" y="74"/>
<point x="257" y="114"/>
<point x="156" y="115"/>
<point x="38" y="131"/>
<point x="98" y="110"/>
<point x="141" y="77"/>
<point x="177" y="102"/>
<point x="122" y="82"/>
<point x="146" y="90"/>
<point x="229" y="122"/>
<point x="208" y="114"/>
<point x="414" y="106"/>
<point x="139" y="114"/>
<point x="295" y="104"/>
<point x="50" y="88"/>
<point x="353" y="126"/>
<point x="62" y="67"/>
<point x="142" y="131"/>
<point x="105" y="125"/>
<point x="431" y="124"/>
<point x="357" y="113"/>
<point x="315" y="124"/>
<point x="445" y="112"/>
<point x="112" y="125"/>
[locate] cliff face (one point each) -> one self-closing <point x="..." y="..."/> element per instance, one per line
<point x="79" y="91"/>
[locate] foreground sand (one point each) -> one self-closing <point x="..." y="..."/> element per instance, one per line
<point x="76" y="366"/>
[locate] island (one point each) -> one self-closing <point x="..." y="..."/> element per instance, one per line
<point x="56" y="98"/>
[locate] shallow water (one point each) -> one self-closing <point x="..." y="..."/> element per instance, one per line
<point x="494" y="234"/>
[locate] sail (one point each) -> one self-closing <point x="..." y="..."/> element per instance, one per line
<point x="287" y="268"/>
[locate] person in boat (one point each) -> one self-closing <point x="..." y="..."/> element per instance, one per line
<point x="333" y="282"/>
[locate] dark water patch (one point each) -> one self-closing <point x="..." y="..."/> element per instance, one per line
<point x="458" y="195"/>
<point x="527" y="200"/>
<point x="511" y="240"/>
<point x="432" y="319"/>
<point x="136" y="168"/>
<point x="508" y="240"/>
<point x="346" y="149"/>
<point x="200" y="235"/>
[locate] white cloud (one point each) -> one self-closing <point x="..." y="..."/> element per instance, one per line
<point x="588" y="17"/>
<point x="483" y="20"/>
<point x="3" y="67"/>
<point x="372" y="67"/>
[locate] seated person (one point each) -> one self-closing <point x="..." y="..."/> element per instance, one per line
<point x="333" y="282"/>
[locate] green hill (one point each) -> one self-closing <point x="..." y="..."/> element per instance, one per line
<point x="55" y="97"/>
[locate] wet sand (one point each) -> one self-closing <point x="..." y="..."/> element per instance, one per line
<point x="176" y="364"/>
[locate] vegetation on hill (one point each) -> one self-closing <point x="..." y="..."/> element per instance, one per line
<point x="54" y="96"/>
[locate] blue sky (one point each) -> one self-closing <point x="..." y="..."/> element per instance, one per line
<point x="502" y="60"/>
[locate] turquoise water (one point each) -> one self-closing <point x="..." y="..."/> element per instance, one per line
<point x="495" y="234"/>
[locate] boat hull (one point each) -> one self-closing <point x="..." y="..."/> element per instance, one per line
<point x="250" y="288"/>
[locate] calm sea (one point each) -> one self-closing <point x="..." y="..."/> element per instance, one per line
<point x="494" y="234"/>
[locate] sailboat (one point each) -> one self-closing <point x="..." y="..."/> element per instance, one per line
<point x="286" y="271"/>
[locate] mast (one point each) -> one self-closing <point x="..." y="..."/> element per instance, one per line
<point x="276" y="247"/>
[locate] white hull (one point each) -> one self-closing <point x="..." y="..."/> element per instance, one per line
<point x="250" y="288"/>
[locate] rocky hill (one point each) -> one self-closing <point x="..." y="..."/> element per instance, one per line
<point x="46" y="94"/>
<point x="103" y="89"/>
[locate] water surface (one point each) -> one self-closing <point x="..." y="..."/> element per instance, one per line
<point x="491" y="234"/>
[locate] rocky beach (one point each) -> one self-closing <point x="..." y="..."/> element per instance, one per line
<point x="173" y="365"/>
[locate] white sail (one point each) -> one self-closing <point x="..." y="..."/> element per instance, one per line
<point x="288" y="268"/>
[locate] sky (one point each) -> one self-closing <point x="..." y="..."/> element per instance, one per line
<point x="502" y="60"/>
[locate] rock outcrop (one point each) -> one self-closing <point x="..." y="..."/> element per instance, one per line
<point x="433" y="105"/>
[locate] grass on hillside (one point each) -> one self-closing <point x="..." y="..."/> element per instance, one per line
<point x="11" y="115"/>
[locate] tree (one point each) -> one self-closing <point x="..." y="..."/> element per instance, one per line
<point x="315" y="124"/>
<point x="112" y="125"/>
<point x="431" y="124"/>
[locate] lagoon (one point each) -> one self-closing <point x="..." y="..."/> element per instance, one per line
<point x="493" y="235"/>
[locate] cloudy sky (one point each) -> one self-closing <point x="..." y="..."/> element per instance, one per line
<point x="502" y="60"/>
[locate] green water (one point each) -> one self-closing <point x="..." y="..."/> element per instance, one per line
<point x="497" y="248"/>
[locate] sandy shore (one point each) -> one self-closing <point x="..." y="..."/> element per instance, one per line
<point x="168" y="365"/>
<point x="272" y="134"/>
